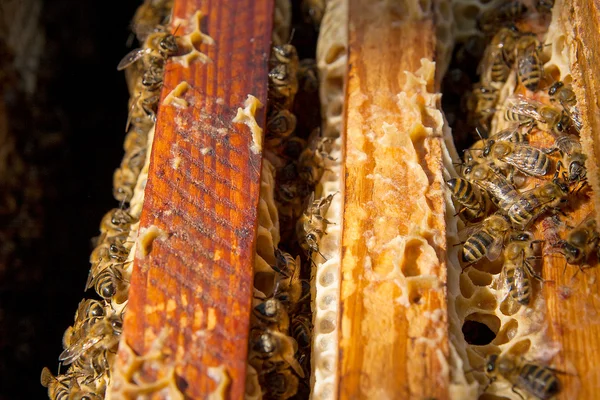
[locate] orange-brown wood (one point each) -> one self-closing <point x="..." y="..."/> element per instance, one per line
<point x="202" y="194"/>
<point x="390" y="348"/>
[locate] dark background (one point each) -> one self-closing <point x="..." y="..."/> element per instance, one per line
<point x="69" y="134"/>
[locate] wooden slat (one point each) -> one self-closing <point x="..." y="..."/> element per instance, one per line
<point x="197" y="277"/>
<point x="389" y="349"/>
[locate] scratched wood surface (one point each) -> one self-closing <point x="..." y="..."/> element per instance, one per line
<point x="385" y="346"/>
<point x="202" y="195"/>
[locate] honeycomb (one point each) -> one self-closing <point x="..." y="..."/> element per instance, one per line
<point x="479" y="294"/>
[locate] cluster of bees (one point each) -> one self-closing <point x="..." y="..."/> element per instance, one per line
<point x="511" y="178"/>
<point x="90" y="344"/>
<point x="280" y="337"/>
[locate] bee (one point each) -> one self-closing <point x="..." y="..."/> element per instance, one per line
<point x="285" y="54"/>
<point x="103" y="334"/>
<point x="313" y="11"/>
<point x="534" y="379"/>
<point x="308" y="78"/>
<point x="285" y="263"/>
<point x="529" y="160"/>
<point x="505" y="12"/>
<point x="280" y="383"/>
<point x="93" y="365"/>
<point x="80" y="393"/>
<point x="124" y="181"/>
<point x="109" y="249"/>
<point x="311" y="163"/>
<point x="116" y="222"/>
<point x="106" y="279"/>
<point x="533" y="203"/>
<point x="565" y="96"/>
<point x="267" y="344"/>
<point x="503" y="193"/>
<point x="482" y="103"/>
<point x="581" y="242"/>
<point x="300" y="330"/>
<point x="280" y="125"/>
<point x="572" y="159"/>
<point x="486" y="239"/>
<point x="510" y="135"/>
<point x="517" y="266"/>
<point x="312" y="225"/>
<point x="159" y="44"/>
<point x="153" y="75"/>
<point x="530" y="69"/>
<point x="59" y="386"/>
<point x="499" y="56"/>
<point x="291" y="291"/>
<point x="527" y="112"/>
<point x="272" y="312"/>
<point x="88" y="309"/>
<point x="283" y="85"/>
<point x="466" y="194"/>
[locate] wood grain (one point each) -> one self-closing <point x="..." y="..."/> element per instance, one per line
<point x="388" y="348"/>
<point x="202" y="194"/>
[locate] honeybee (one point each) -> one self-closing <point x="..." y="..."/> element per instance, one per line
<point x="312" y="225"/>
<point x="153" y="75"/>
<point x="88" y="309"/>
<point x="533" y="203"/>
<point x="564" y="94"/>
<point x="103" y="334"/>
<point x="534" y="379"/>
<point x="308" y="78"/>
<point x="466" y="194"/>
<point x="529" y="160"/>
<point x="106" y="279"/>
<point x="311" y="163"/>
<point x="59" y="386"/>
<point x="285" y="54"/>
<point x="581" y="242"/>
<point x="160" y="44"/>
<point x="280" y="125"/>
<point x="283" y="85"/>
<point x="92" y="365"/>
<point x="530" y="69"/>
<point x="505" y="12"/>
<point x="124" y="182"/>
<point x="517" y="266"/>
<point x="527" y="112"/>
<point x="110" y="248"/>
<point x="273" y="312"/>
<point x="300" y="330"/>
<point x="280" y="383"/>
<point x="83" y="393"/>
<point x="267" y="344"/>
<point x="290" y="291"/>
<point x="285" y="263"/>
<point x="510" y="135"/>
<point x="486" y="239"/>
<point x="499" y="56"/>
<point x="313" y="11"/>
<point x="116" y="222"/>
<point x="482" y="103"/>
<point x="572" y="159"/>
<point x="503" y="193"/>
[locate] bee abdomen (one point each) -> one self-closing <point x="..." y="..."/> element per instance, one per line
<point x="476" y="247"/>
<point x="539" y="381"/>
<point x="529" y="72"/>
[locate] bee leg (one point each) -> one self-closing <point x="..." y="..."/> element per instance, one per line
<point x="513" y="388"/>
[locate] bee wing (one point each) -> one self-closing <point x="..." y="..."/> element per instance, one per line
<point x="470" y="230"/>
<point x="495" y="248"/>
<point x="75" y="351"/>
<point x="528" y="159"/>
<point x="506" y="135"/>
<point x="131" y="57"/>
<point x="519" y="104"/>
